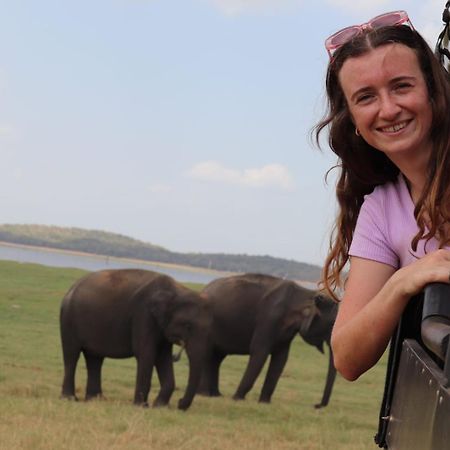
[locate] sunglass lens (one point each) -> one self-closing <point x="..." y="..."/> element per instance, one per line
<point x="387" y="20"/>
<point x="344" y="36"/>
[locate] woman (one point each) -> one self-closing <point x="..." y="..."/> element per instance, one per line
<point x="389" y="124"/>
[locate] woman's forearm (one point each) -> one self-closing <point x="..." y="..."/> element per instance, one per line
<point x="359" y="343"/>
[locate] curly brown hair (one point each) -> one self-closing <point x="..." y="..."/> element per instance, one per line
<point x="362" y="167"/>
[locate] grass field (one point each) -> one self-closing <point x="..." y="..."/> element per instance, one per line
<point x="33" y="417"/>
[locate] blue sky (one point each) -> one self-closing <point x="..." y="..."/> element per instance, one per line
<point x="184" y="123"/>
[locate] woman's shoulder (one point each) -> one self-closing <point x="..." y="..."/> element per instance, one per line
<point x="385" y="224"/>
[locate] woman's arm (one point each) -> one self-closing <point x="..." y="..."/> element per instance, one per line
<point x="374" y="299"/>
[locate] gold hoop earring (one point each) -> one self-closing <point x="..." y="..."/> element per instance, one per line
<point x="357" y="132"/>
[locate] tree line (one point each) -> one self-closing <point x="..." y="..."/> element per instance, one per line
<point x="112" y="244"/>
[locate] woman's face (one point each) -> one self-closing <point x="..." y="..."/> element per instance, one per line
<point x="388" y="101"/>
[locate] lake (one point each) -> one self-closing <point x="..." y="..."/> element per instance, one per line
<point x="60" y="258"/>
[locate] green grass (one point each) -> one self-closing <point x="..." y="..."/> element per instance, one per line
<point x="33" y="417"/>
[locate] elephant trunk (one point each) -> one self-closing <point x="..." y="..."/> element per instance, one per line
<point x="196" y="355"/>
<point x="331" y="376"/>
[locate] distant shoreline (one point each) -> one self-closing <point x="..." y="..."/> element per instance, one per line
<point x="96" y="256"/>
<point x="116" y="258"/>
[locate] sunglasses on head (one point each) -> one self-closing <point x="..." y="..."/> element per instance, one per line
<point x="341" y="37"/>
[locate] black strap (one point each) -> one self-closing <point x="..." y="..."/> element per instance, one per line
<point x="391" y="373"/>
<point x="441" y="51"/>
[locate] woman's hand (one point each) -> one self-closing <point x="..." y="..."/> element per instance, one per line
<point x="432" y="268"/>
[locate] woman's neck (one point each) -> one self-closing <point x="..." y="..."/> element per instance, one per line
<point x="415" y="187"/>
<point x="415" y="173"/>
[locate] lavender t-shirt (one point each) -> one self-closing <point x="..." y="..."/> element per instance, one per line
<point x="386" y="226"/>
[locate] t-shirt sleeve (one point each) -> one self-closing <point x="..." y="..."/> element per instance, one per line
<point x="370" y="238"/>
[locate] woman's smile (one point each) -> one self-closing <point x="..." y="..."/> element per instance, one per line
<point x="392" y="129"/>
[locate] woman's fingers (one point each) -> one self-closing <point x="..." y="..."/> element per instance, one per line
<point x="432" y="268"/>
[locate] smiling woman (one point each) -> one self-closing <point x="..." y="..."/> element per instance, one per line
<point x="388" y="120"/>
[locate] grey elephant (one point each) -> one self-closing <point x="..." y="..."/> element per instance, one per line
<point x="260" y="315"/>
<point x="131" y="312"/>
<point x="319" y="333"/>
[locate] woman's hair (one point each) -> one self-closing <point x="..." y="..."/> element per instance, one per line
<point x="362" y="167"/>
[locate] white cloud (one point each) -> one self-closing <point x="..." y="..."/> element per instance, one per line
<point x="271" y="175"/>
<point x="236" y="7"/>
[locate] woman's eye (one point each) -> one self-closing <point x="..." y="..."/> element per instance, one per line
<point x="364" y="98"/>
<point x="402" y="86"/>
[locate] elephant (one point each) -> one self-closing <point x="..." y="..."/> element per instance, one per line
<point x="259" y="315"/>
<point x="320" y="332"/>
<point x="131" y="312"/>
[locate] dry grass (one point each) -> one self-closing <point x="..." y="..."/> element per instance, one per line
<point x="33" y="417"/>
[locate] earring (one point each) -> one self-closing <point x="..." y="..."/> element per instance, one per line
<point x="357" y="132"/>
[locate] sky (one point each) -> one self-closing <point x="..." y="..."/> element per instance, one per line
<point x="182" y="123"/>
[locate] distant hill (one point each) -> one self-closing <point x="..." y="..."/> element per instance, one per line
<point x="111" y="244"/>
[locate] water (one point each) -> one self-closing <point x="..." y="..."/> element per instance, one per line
<point x="57" y="258"/>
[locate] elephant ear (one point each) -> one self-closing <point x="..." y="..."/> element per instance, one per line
<point x="158" y="296"/>
<point x="325" y="304"/>
<point x="278" y="299"/>
<point x="314" y="340"/>
<point x="322" y="325"/>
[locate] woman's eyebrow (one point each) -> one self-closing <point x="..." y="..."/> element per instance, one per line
<point x="402" y="78"/>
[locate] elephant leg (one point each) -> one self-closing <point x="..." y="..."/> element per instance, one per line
<point x="276" y="366"/>
<point x="164" y="368"/>
<point x="331" y="376"/>
<point x="210" y="377"/>
<point x="254" y="367"/>
<point x="70" y="357"/>
<point x="145" y="363"/>
<point x="214" y="375"/>
<point x="94" y="375"/>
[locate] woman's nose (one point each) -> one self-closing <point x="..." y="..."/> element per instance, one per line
<point x="389" y="108"/>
